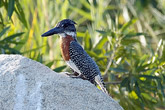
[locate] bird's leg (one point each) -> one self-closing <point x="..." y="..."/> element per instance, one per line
<point x="80" y="76"/>
<point x="69" y="74"/>
<point x="76" y="75"/>
<point x="72" y="74"/>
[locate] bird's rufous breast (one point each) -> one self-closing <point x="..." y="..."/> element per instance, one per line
<point x="65" y="43"/>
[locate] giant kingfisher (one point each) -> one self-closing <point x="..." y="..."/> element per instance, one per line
<point x="74" y="55"/>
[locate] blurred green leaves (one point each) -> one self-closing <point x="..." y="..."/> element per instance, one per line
<point x="59" y="69"/>
<point x="5" y="44"/>
<point x="10" y="8"/>
<point x="126" y="25"/>
<point x="4" y="30"/>
<point x="20" y="13"/>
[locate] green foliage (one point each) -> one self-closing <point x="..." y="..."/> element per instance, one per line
<point x="5" y="43"/>
<point x="10" y="8"/>
<point x="124" y="37"/>
<point x="59" y="69"/>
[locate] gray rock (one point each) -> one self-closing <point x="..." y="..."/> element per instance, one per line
<point x="28" y="85"/>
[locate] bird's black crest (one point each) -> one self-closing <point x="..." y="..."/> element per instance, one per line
<point x="65" y="22"/>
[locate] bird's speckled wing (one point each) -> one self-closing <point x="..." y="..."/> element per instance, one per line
<point x="83" y="61"/>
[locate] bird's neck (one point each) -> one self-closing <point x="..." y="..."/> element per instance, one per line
<point x="65" y="43"/>
<point x="69" y="34"/>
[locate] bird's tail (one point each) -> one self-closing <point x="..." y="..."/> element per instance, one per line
<point x="101" y="84"/>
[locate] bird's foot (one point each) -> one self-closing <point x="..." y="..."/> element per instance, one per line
<point x="75" y="76"/>
<point x="74" y="72"/>
<point x="69" y="74"/>
<point x="80" y="76"/>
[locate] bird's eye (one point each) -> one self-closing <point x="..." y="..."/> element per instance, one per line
<point x="65" y="25"/>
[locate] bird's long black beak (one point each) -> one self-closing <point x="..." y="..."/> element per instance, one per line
<point x="55" y="30"/>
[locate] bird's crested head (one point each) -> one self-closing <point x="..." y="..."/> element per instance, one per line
<point x="63" y="28"/>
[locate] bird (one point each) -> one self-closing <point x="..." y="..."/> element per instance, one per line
<point x="74" y="55"/>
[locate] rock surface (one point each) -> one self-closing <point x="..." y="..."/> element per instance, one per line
<point x="28" y="85"/>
